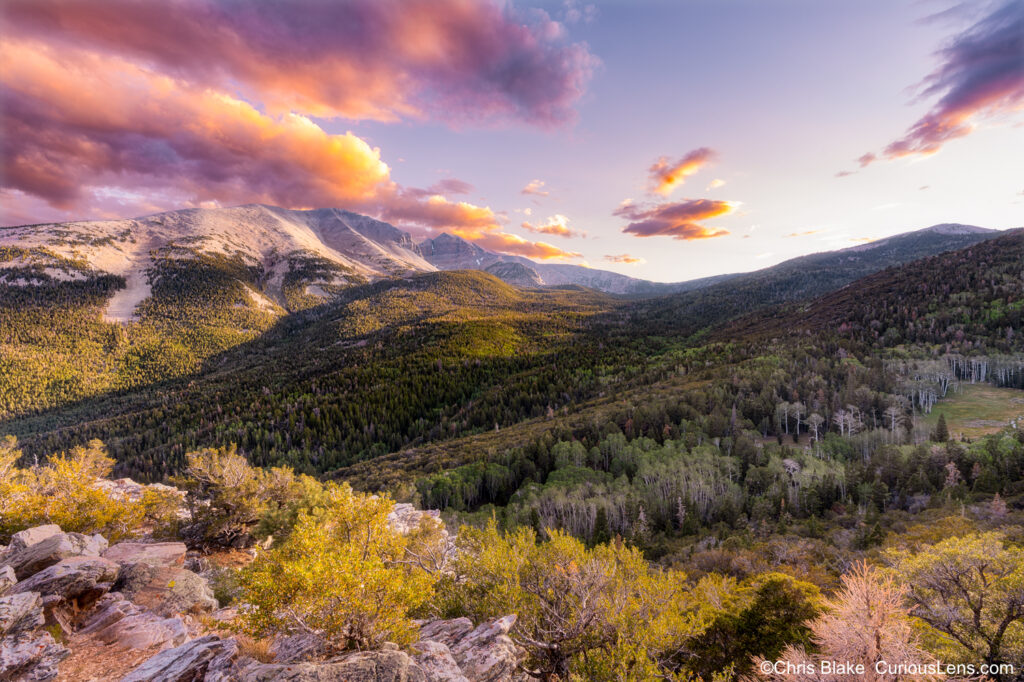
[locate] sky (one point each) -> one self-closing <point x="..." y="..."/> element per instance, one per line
<point x="666" y="140"/>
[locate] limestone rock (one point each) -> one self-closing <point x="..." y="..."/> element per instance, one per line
<point x="7" y="578"/>
<point x="447" y="632"/>
<point x="20" y="613"/>
<point x="363" y="666"/>
<point x="488" y="654"/>
<point x="118" y="622"/>
<point x="30" y="657"/>
<point x="78" y="577"/>
<point x="48" y="551"/>
<point x="151" y="553"/>
<point x="206" y="658"/>
<point x="31" y="536"/>
<point x="437" y="662"/>
<point x="166" y="590"/>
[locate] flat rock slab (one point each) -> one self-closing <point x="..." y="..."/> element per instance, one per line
<point x="20" y="613"/>
<point x="366" y="666"/>
<point x="72" y="578"/>
<point x="48" y="551"/>
<point x="166" y="590"/>
<point x="199" y="659"/>
<point x="30" y="657"/>
<point x="31" y="536"/>
<point x="166" y="554"/>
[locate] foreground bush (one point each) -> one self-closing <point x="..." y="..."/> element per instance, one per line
<point x="341" y="576"/>
<point x="232" y="503"/>
<point x="64" y="492"/>
<point x="601" y="614"/>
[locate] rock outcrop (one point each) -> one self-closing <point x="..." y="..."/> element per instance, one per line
<point x="118" y="622"/>
<point x="128" y="610"/>
<point x="43" y="553"/>
<point x="207" y="658"/>
<point x="363" y="666"/>
<point x="25" y="652"/>
<point x="166" y="590"/>
<point x="159" y="554"/>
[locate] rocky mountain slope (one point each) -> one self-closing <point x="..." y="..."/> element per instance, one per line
<point x="316" y="249"/>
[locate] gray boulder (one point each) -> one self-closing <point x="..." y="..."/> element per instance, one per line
<point x="166" y="590"/>
<point x="20" y="613"/>
<point x="437" y="662"/>
<point x="79" y="577"/>
<point x="151" y="553"/>
<point x="488" y="654"/>
<point x="30" y="657"/>
<point x="363" y="666"/>
<point x="30" y="536"/>
<point x="53" y="548"/>
<point x="7" y="578"/>
<point x="447" y="632"/>
<point x="118" y="622"/>
<point x="207" y="658"/>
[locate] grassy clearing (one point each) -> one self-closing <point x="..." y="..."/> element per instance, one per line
<point x="978" y="409"/>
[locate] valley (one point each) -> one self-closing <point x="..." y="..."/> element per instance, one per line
<point x="717" y="432"/>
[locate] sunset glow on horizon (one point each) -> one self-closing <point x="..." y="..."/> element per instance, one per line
<point x="667" y="141"/>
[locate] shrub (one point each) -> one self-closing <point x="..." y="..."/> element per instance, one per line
<point x="340" y="576"/>
<point x="64" y="492"/>
<point x="603" y="613"/>
<point x="232" y="503"/>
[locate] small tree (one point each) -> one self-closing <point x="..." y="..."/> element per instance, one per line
<point x="941" y="434"/>
<point x="339" y="577"/>
<point x="972" y="589"/>
<point x="866" y="622"/>
<point x="602" y="613"/>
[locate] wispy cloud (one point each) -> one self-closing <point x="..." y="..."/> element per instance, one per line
<point x="715" y="184"/>
<point x="679" y="220"/>
<point x="557" y="225"/>
<point x="981" y="75"/>
<point x="450" y="186"/>
<point x="625" y="259"/>
<point x="666" y="175"/>
<point x="806" y="233"/>
<point x="536" y="188"/>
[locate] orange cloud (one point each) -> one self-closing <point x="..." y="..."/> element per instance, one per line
<point x="803" y="234"/>
<point x="679" y="220"/>
<point x="503" y="242"/>
<point x="716" y="183"/>
<point x="478" y="224"/>
<point x="535" y="187"/>
<point x="625" y="258"/>
<point x="555" y="225"/>
<point x="78" y="124"/>
<point x="666" y="175"/>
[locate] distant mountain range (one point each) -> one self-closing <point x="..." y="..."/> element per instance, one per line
<point x="299" y="257"/>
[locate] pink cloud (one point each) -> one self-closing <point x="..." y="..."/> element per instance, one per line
<point x="667" y="175"/>
<point x="358" y="59"/>
<point x="555" y="225"/>
<point x="981" y="76"/>
<point x="536" y="188"/>
<point x="679" y="220"/>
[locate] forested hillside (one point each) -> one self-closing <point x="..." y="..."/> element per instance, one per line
<point x="760" y="458"/>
